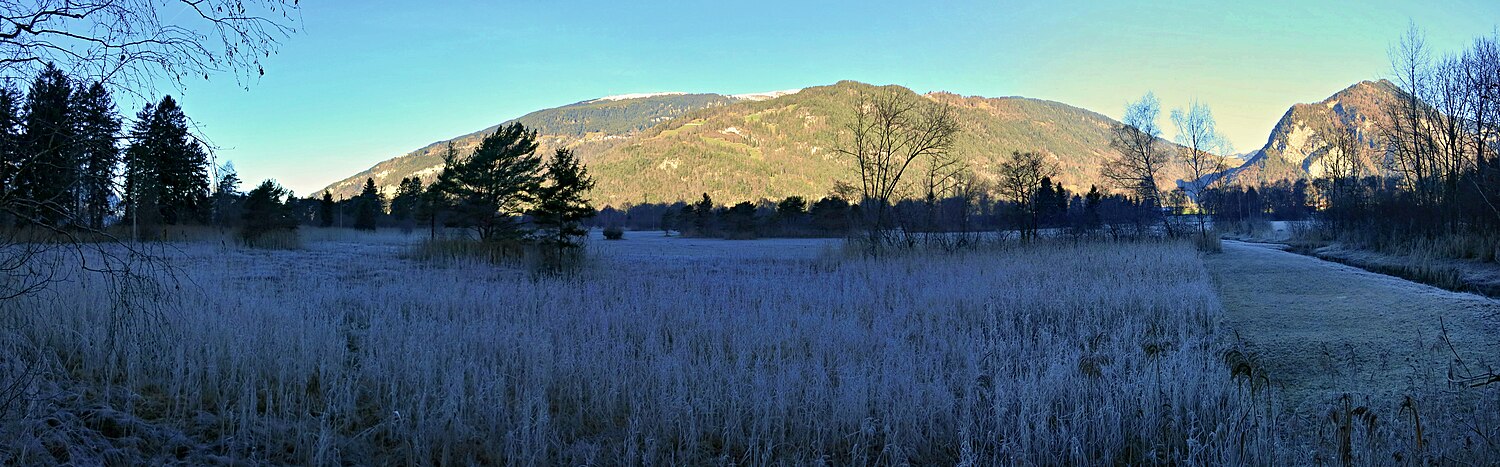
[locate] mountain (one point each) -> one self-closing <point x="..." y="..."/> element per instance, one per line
<point x="583" y="122"/>
<point x="669" y="147"/>
<point x="1295" y="148"/>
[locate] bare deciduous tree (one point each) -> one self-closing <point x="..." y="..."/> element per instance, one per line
<point x="1141" y="156"/>
<point x="127" y="44"/>
<point x="1201" y="150"/>
<point x="1341" y="152"/>
<point x="1408" y="136"/>
<point x="1020" y="177"/>
<point x="891" y="131"/>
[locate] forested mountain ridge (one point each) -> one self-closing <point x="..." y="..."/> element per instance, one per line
<point x="1298" y="145"/>
<point x="786" y="146"/>
<point x="591" y="120"/>
<point x="663" y="148"/>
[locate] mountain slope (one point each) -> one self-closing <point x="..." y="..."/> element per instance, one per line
<point x="593" y="120"/>
<point x="780" y="144"/>
<point x="1295" y="148"/>
<point x="785" y="146"/>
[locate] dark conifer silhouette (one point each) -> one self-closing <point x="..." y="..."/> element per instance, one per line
<point x="325" y="210"/>
<point x="47" y="176"/>
<point x="226" y="199"/>
<point x="99" y="155"/>
<point x="266" y="211"/>
<point x="166" y="168"/>
<point x="10" y="144"/>
<point x="562" y="203"/>
<point x="492" y="187"/>
<point x="405" y="203"/>
<point x="368" y="207"/>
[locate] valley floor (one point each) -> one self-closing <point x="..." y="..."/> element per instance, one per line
<point x="701" y="351"/>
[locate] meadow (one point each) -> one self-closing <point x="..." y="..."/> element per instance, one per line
<point x="658" y="351"/>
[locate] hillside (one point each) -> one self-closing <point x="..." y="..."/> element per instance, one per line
<point x="1295" y="150"/>
<point x="569" y="125"/>
<point x="775" y="145"/>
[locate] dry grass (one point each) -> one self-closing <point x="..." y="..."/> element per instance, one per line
<point x="1053" y="354"/>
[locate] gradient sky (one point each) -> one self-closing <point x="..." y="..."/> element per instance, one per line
<point x="365" y="81"/>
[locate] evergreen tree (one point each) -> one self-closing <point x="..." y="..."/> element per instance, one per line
<point x="368" y="207"/>
<point x="1041" y="207"/>
<point x="430" y="207"/>
<point x="48" y="172"/>
<point x="831" y="214"/>
<point x="184" y="166"/>
<point x="435" y="200"/>
<point x="561" y="205"/>
<point x="494" y="185"/>
<point x="266" y="210"/>
<point x="226" y="197"/>
<point x="97" y="128"/>
<point x="10" y="143"/>
<point x="1091" y="202"/>
<point x="325" y="210"/>
<point x="740" y="221"/>
<point x="405" y="203"/>
<point x="142" y="186"/>
<point x="166" y="169"/>
<point x="703" y="215"/>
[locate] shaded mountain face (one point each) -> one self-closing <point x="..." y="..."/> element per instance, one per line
<point x="1298" y="144"/>
<point x="665" y="148"/>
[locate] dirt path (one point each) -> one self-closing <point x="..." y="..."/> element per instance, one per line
<point x="1321" y="329"/>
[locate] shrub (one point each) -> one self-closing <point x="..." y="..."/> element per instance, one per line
<point x="614" y="232"/>
<point x="267" y="220"/>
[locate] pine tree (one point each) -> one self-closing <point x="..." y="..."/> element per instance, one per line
<point x="1041" y="207"/>
<point x="97" y="128"/>
<point x="142" y="186"/>
<point x="368" y="207"/>
<point x="266" y="210"/>
<point x="495" y="184"/>
<point x="1091" y="202"/>
<point x="561" y="203"/>
<point x="405" y="203"/>
<point x="10" y="144"/>
<point x="325" y="210"/>
<point x="46" y="180"/>
<point x="166" y="169"/>
<point x="226" y="198"/>
<point x="703" y="212"/>
<point x="183" y="166"/>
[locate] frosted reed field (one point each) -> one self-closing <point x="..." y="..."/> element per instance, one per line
<point x="767" y="352"/>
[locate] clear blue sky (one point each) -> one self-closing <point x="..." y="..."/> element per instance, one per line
<point x="368" y="80"/>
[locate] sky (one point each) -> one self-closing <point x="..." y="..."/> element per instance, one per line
<point x="364" y="81"/>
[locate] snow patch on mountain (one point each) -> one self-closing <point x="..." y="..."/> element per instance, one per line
<point x="760" y="96"/>
<point x="639" y="95"/>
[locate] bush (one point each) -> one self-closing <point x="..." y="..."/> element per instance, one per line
<point x="614" y="232"/>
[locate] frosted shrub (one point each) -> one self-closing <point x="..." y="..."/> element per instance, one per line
<point x="1048" y="355"/>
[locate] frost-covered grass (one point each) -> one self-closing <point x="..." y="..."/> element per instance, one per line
<point x="337" y="353"/>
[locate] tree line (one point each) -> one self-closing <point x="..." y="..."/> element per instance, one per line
<point x="66" y="163"/>
<point x="503" y="193"/>
<point x="1047" y="206"/>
